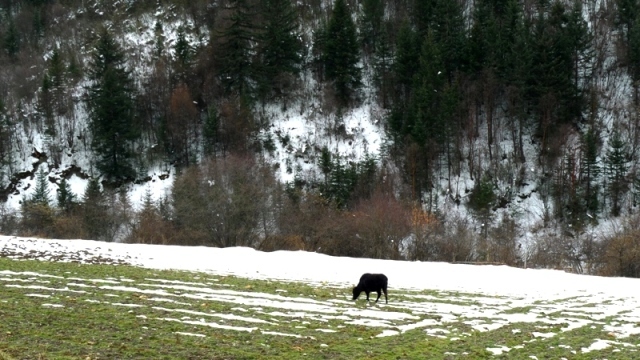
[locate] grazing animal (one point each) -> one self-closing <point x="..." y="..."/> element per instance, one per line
<point x="369" y="283"/>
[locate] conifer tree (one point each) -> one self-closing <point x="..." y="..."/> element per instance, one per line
<point x="406" y="57"/>
<point x="383" y="65"/>
<point x="590" y="171"/>
<point x="341" y="52"/>
<point x="237" y="51"/>
<point x="183" y="55"/>
<point x="94" y="210"/>
<point x="65" y="196"/>
<point x="371" y="24"/>
<point x="627" y="15"/>
<point x="281" y="46"/>
<point x="45" y="105"/>
<point x="11" y="40"/>
<point x="616" y="171"/>
<point x="111" y="110"/>
<point x="41" y="192"/>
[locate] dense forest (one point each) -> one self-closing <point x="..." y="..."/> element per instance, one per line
<point x="511" y="127"/>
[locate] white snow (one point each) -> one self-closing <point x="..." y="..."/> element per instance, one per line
<point x="486" y="297"/>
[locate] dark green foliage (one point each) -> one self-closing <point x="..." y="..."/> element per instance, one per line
<point x="325" y="162"/>
<point x="45" y="105"/>
<point x="41" y="192"/>
<point x="66" y="199"/>
<point x="346" y="182"/>
<point x="371" y="25"/>
<point x="341" y="52"/>
<point x="183" y="55"/>
<point x="626" y="15"/>
<point x="5" y="144"/>
<point x="482" y="196"/>
<point x="634" y="56"/>
<point x="281" y="46"/>
<point x="111" y="110"/>
<point x="211" y="131"/>
<point x="407" y="55"/>
<point x="11" y="40"/>
<point x="590" y="171"/>
<point x="94" y="211"/>
<point x="561" y="46"/>
<point x="158" y="44"/>
<point x="616" y="171"/>
<point x="383" y="65"/>
<point x="237" y="71"/>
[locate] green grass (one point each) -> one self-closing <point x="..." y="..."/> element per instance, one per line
<point x="107" y="321"/>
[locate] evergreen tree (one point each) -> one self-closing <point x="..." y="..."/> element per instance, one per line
<point x="341" y="54"/>
<point x="281" y="45"/>
<point x="448" y="31"/>
<point x="37" y="215"/>
<point x="5" y="143"/>
<point x="211" y="131"/>
<point x="41" y="192"/>
<point x="158" y="44"/>
<point x="237" y="71"/>
<point x="183" y="54"/>
<point x="383" y="65"/>
<point x="65" y="196"/>
<point x="111" y="110"/>
<point x="634" y="57"/>
<point x="627" y="15"/>
<point x="11" y="41"/>
<point x="406" y="58"/>
<point x="616" y="171"/>
<point x="371" y="25"/>
<point x="94" y="210"/>
<point x="56" y="70"/>
<point x="590" y="171"/>
<point x="45" y="105"/>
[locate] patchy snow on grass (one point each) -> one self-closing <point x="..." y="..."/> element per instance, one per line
<point x="447" y="301"/>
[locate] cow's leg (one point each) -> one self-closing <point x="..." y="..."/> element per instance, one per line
<point x="385" y="295"/>
<point x="379" y="293"/>
<point x="367" y="295"/>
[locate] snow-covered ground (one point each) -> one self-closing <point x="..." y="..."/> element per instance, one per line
<point x="484" y="298"/>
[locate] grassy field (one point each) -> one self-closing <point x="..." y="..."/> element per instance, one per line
<point x="52" y="310"/>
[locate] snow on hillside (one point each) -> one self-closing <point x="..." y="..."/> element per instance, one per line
<point x="492" y="293"/>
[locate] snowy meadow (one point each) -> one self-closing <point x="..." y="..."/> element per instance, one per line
<point x="82" y="299"/>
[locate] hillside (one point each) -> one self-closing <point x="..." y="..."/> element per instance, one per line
<point x="421" y="130"/>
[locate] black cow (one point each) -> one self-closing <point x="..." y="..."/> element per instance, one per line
<point x="369" y="283"/>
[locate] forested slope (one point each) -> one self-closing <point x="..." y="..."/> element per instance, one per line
<point x="489" y="130"/>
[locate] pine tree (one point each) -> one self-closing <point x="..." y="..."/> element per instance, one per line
<point x="37" y="215"/>
<point x="383" y="65"/>
<point x="634" y="57"/>
<point x="406" y="58"/>
<point x="281" y="45"/>
<point x="627" y="15"/>
<point x="94" y="210"/>
<point x="211" y="131"/>
<point x="590" y="171"/>
<point x="158" y="44"/>
<point x="11" y="41"/>
<point x="65" y="196"/>
<point x="237" y="71"/>
<point x="341" y="54"/>
<point x="616" y="171"/>
<point x="41" y="192"/>
<point x="45" y="105"/>
<point x="5" y="144"/>
<point x="183" y="55"/>
<point x="371" y="24"/>
<point x="111" y="110"/>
